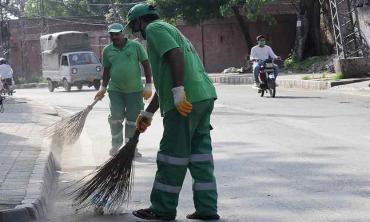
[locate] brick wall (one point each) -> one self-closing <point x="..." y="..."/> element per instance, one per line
<point x="220" y="43"/>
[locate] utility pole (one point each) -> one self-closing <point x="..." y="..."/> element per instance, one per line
<point x="1" y="27"/>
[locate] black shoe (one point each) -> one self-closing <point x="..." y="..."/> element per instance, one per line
<point x="196" y="216"/>
<point x="148" y="214"/>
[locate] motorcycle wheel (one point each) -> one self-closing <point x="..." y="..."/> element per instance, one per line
<point x="272" y="89"/>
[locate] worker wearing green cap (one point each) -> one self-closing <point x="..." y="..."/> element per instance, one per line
<point x="185" y="96"/>
<point x="122" y="77"/>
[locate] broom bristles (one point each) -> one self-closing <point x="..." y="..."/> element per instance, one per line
<point x="110" y="184"/>
<point x="68" y="129"/>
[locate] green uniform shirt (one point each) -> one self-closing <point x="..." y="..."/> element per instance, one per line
<point x="161" y="38"/>
<point x="124" y="64"/>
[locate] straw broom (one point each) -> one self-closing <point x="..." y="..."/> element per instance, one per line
<point x="112" y="182"/>
<point x="69" y="129"/>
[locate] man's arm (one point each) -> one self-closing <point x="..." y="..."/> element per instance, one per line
<point x="252" y="57"/>
<point x="103" y="89"/>
<point x="106" y="77"/>
<point x="175" y="59"/>
<point x="272" y="54"/>
<point x="147" y="71"/>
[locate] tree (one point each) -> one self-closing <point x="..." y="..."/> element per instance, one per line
<point x="195" y="11"/>
<point x="59" y="8"/>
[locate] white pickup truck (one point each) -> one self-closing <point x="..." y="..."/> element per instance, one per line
<point x="67" y="60"/>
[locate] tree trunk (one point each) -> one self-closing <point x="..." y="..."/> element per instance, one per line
<point x="301" y="32"/>
<point x="308" y="35"/>
<point x="314" y="36"/>
<point x="244" y="26"/>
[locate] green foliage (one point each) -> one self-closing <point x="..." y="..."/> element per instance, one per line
<point x="252" y="8"/>
<point x="58" y="8"/>
<point x="194" y="11"/>
<point x="306" y="78"/>
<point x="338" y="76"/>
<point x="296" y="65"/>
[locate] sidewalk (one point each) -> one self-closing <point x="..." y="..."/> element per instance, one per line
<point x="285" y="80"/>
<point x="26" y="166"/>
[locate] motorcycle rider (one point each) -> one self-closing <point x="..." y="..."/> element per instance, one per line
<point x="6" y="74"/>
<point x="259" y="54"/>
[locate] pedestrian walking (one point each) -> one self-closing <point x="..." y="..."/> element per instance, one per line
<point x="185" y="96"/>
<point x="122" y="80"/>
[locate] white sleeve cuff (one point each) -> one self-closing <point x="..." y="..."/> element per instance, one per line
<point x="178" y="94"/>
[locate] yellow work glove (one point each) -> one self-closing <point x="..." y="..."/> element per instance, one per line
<point x="183" y="106"/>
<point x="143" y="121"/>
<point x="100" y="95"/>
<point x="147" y="91"/>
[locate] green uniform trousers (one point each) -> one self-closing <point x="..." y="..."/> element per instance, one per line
<point x="123" y="106"/>
<point x="186" y="143"/>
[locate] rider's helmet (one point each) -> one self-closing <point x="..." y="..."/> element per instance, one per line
<point x="2" y="61"/>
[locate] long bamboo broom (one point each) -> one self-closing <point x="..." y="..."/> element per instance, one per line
<point x="69" y="129"/>
<point x="112" y="182"/>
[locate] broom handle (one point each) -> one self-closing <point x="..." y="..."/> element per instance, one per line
<point x="136" y="135"/>
<point x="93" y="104"/>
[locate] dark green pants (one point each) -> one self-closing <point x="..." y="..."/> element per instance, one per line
<point x="186" y="144"/>
<point x="123" y="106"/>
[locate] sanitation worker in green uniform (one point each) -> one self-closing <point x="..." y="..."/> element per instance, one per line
<point x="185" y="96"/>
<point x="122" y="77"/>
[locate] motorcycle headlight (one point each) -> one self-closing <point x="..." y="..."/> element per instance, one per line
<point x="98" y="68"/>
<point x="74" y="70"/>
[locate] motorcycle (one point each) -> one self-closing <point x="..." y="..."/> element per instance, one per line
<point x="7" y="87"/>
<point x="267" y="78"/>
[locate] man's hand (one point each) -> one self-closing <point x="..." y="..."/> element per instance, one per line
<point x="147" y="91"/>
<point x="183" y="106"/>
<point x="143" y="121"/>
<point x="100" y="95"/>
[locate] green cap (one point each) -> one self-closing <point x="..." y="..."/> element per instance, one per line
<point x="137" y="11"/>
<point x="140" y="10"/>
<point x="115" y="27"/>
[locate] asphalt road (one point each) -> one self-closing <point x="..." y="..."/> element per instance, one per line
<point x="303" y="156"/>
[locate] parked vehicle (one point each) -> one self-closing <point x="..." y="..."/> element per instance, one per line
<point x="267" y="78"/>
<point x="6" y="86"/>
<point x="67" y="60"/>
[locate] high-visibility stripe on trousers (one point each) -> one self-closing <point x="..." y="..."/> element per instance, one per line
<point x="124" y="107"/>
<point x="186" y="144"/>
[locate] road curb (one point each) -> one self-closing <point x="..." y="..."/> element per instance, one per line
<point x="40" y="186"/>
<point x="303" y="84"/>
<point x="232" y="80"/>
<point x="31" y="85"/>
<point x="240" y="79"/>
